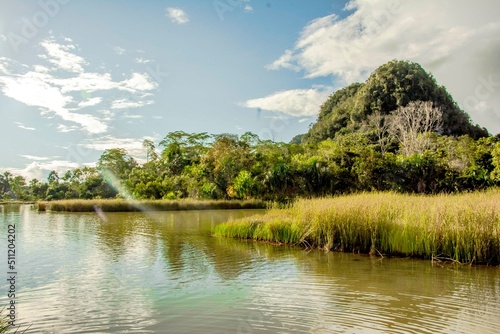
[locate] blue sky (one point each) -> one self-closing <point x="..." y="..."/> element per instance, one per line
<point x="79" y="77"/>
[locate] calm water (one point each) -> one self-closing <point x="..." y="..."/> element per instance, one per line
<point x="164" y="273"/>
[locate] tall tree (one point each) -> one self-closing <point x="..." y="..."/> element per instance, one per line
<point x="117" y="162"/>
<point x="151" y="154"/>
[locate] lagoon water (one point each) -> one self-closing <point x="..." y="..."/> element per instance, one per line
<point x="164" y="273"/>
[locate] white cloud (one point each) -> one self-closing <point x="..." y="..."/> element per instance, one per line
<point x="142" y="60"/>
<point x="64" y="128"/>
<point x="296" y="102"/>
<point x="52" y="89"/>
<point x="132" y="145"/>
<point x="22" y="126"/>
<point x="90" y="123"/>
<point x="32" y="90"/>
<point x="91" y="82"/>
<point x="107" y="115"/>
<point x="248" y="8"/>
<point x="60" y="55"/>
<point x="3" y="38"/>
<point x="302" y="120"/>
<point x="125" y="104"/>
<point x="458" y="49"/>
<point x="118" y="50"/>
<point x="278" y="116"/>
<point x="285" y="61"/>
<point x="138" y="82"/>
<point x="157" y="117"/>
<point x="177" y="15"/>
<point x="133" y="116"/>
<point x="90" y="102"/>
<point x="34" y="157"/>
<point x="41" y="69"/>
<point x="38" y="169"/>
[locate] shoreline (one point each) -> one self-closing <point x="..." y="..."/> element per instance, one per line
<point x="460" y="228"/>
<point x="17" y="202"/>
<point x="121" y="205"/>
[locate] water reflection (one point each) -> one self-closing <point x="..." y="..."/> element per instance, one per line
<point x="164" y="273"/>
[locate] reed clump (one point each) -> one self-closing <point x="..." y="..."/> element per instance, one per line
<point x="121" y="205"/>
<point x="460" y="227"/>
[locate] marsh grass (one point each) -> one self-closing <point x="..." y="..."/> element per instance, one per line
<point x="5" y="326"/>
<point x="463" y="228"/>
<point x="4" y="322"/>
<point x="121" y="205"/>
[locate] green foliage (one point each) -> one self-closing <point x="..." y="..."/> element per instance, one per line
<point x="117" y="162"/>
<point x="352" y="147"/>
<point x="496" y="162"/>
<point x="244" y="185"/>
<point x="388" y="88"/>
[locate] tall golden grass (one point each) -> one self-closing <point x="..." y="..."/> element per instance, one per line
<point x="462" y="227"/>
<point x="121" y="205"/>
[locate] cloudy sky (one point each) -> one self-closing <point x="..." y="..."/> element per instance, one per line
<point x="78" y="77"/>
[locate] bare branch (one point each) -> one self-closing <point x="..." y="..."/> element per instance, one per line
<point x="411" y="125"/>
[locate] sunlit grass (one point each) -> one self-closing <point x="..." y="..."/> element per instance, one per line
<point x="463" y="228"/>
<point x="6" y="327"/>
<point x="121" y="205"/>
<point x="4" y="323"/>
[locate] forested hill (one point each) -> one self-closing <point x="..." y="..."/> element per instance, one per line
<point x="389" y="87"/>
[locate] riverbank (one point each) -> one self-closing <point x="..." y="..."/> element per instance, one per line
<point x="121" y="205"/>
<point x="464" y="228"/>
<point x="16" y="202"/>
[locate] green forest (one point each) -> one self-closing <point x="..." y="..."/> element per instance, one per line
<point x="398" y="131"/>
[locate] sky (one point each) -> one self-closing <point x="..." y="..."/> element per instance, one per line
<point x="79" y="77"/>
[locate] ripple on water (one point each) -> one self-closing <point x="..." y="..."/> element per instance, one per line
<point x="164" y="273"/>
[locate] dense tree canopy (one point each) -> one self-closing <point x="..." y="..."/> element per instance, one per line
<point x="398" y="131"/>
<point x="391" y="86"/>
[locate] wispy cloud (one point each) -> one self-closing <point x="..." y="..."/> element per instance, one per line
<point x="32" y="91"/>
<point x="61" y="56"/>
<point x="177" y="15"/>
<point x="3" y="38"/>
<point x="90" y="102"/>
<point x="142" y="61"/>
<point x="133" y="116"/>
<point x="126" y="104"/>
<point x="285" y="61"/>
<point x="118" y="50"/>
<point x="52" y="87"/>
<point x="22" y="126"/>
<point x="64" y="128"/>
<point x="132" y="145"/>
<point x="34" y="157"/>
<point x="296" y="102"/>
<point x="39" y="169"/>
<point x="248" y="8"/>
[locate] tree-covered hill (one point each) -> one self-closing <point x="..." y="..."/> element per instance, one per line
<point x="388" y="88"/>
<point x="399" y="131"/>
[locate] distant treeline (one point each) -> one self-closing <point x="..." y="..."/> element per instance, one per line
<point x="226" y="166"/>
